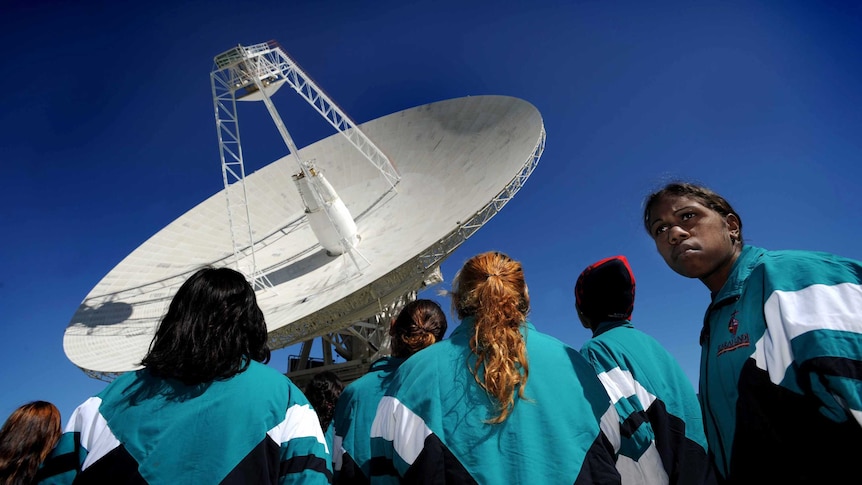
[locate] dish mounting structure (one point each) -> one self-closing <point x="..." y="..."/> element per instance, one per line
<point x="255" y="73"/>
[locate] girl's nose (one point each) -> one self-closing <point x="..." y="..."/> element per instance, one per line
<point x="676" y="234"/>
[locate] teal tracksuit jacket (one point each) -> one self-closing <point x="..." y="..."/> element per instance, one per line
<point x="781" y="369"/>
<point x="430" y="427"/>
<point x="253" y="428"/>
<point x="661" y="426"/>
<point x="354" y="414"/>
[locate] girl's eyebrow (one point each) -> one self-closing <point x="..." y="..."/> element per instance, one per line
<point x="677" y="211"/>
<point x="683" y="208"/>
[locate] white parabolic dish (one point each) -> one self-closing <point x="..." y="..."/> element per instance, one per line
<point x="460" y="161"/>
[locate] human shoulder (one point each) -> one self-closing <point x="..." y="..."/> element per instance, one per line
<point x="261" y="375"/>
<point x="532" y="334"/>
<point x="428" y="364"/>
<point x="264" y="384"/>
<point x="349" y="391"/>
<point x="547" y="348"/>
<point x="363" y="382"/>
<point x="385" y="364"/>
<point x="126" y="383"/>
<point x="127" y="377"/>
<point x="258" y="368"/>
<point x="802" y="256"/>
<point x="608" y="345"/>
<point x="788" y="270"/>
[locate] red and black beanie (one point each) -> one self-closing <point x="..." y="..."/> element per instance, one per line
<point x="606" y="290"/>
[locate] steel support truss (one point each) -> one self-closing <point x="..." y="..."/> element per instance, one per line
<point x="252" y="73"/>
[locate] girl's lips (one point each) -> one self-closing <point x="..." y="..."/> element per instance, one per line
<point x="681" y="251"/>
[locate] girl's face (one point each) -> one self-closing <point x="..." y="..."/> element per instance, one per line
<point x="694" y="240"/>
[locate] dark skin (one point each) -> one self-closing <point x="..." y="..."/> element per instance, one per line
<point x="694" y="240"/>
<point x="585" y="321"/>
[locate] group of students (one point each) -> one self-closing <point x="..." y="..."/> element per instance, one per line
<point x="498" y="401"/>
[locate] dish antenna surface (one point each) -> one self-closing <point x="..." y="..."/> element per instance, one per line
<point x="331" y="256"/>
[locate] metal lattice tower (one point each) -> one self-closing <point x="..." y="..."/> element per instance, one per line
<point x="254" y="73"/>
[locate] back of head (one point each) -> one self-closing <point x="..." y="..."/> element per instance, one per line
<point x="323" y="391"/>
<point x="491" y="283"/>
<point x="704" y="195"/>
<point x="212" y="330"/>
<point x="491" y="288"/>
<point x="605" y="291"/>
<point x="419" y="324"/>
<point x="27" y="436"/>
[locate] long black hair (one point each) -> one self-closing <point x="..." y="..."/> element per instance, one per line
<point x="212" y="330"/>
<point x="323" y="391"/>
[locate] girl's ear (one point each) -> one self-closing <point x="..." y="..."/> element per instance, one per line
<point x="585" y="322"/>
<point x="733" y="226"/>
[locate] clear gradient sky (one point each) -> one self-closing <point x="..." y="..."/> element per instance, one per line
<point x="108" y="135"/>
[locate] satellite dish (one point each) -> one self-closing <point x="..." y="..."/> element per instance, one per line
<point x="459" y="161"/>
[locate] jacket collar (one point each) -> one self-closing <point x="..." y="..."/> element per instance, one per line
<point x="742" y="268"/>
<point x="605" y="326"/>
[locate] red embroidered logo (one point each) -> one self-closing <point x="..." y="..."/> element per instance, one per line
<point x="737" y="341"/>
<point x="733" y="325"/>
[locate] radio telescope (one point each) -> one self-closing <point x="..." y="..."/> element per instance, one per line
<point x="335" y="236"/>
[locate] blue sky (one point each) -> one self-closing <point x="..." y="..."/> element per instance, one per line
<point x="108" y="135"/>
